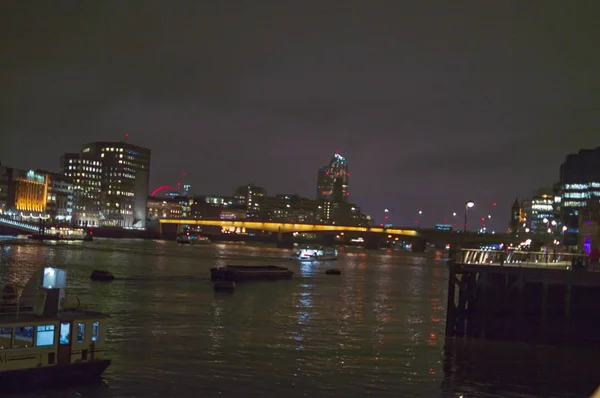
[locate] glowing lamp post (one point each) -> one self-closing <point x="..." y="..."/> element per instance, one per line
<point x="468" y="205"/>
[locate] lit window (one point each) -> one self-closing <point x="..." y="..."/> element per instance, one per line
<point x="95" y="331"/>
<point x="5" y="338"/>
<point x="24" y="337"/>
<point x="45" y="336"/>
<point x="65" y="333"/>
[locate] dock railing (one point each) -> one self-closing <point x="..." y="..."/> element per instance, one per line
<point x="515" y="258"/>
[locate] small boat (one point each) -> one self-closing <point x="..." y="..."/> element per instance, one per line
<point x="102" y="276"/>
<point x="192" y="239"/>
<point x="319" y="253"/>
<point x="46" y="337"/>
<point x="240" y="273"/>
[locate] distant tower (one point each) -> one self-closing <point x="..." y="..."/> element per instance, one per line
<point x="332" y="180"/>
<point x="515" y="216"/>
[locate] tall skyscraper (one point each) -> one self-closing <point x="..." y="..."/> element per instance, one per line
<point x="111" y="181"/>
<point x="580" y="183"/>
<point x="332" y="180"/>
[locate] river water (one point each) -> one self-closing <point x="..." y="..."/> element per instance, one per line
<point x="376" y="330"/>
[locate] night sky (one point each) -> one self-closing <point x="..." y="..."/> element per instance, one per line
<point x="433" y="103"/>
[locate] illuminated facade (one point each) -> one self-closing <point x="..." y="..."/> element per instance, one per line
<point x="114" y="187"/>
<point x="59" y="198"/>
<point x="332" y="180"/>
<point x="22" y="193"/>
<point x="164" y="208"/>
<point x="542" y="212"/>
<point x="31" y="191"/>
<point x="85" y="170"/>
<point x="579" y="183"/>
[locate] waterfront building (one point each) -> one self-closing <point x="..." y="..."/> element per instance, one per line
<point x="332" y="180"/>
<point x="579" y="183"/>
<point x="343" y="213"/>
<point x="162" y="208"/>
<point x="111" y="183"/>
<point x="23" y="193"/>
<point x="59" y="199"/>
<point x="290" y="209"/>
<point x="85" y="170"/>
<point x="541" y="212"/>
<point x="250" y="196"/>
<point x="589" y="226"/>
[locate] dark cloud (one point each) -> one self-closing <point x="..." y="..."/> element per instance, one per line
<point x="432" y="102"/>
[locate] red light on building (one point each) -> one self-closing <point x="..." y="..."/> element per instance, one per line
<point x="126" y="135"/>
<point x="494" y="203"/>
<point x="381" y="225"/>
<point x="482" y="218"/>
<point x="326" y="173"/>
<point x="347" y="174"/>
<point x="184" y="173"/>
<point x="347" y="193"/>
<point x="324" y="193"/>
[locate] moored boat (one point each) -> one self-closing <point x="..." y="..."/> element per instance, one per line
<point x="240" y="273"/>
<point x="46" y="337"/>
<point x="192" y="239"/>
<point x="319" y="253"/>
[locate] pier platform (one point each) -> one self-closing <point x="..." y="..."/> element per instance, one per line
<point x="523" y="296"/>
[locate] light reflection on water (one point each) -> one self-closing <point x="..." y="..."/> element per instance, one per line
<point x="376" y="330"/>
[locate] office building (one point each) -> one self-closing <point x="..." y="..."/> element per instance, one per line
<point x="111" y="184"/>
<point x="290" y="209"/>
<point x="85" y="170"/>
<point x="579" y="183"/>
<point x="541" y="212"/>
<point x="332" y="180"/>
<point x="250" y="196"/>
<point x="22" y="193"/>
<point x="59" y="199"/>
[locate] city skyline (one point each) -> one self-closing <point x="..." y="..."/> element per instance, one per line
<point x="426" y="121"/>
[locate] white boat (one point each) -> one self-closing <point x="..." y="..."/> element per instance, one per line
<point x="46" y="337"/>
<point x="319" y="253"/>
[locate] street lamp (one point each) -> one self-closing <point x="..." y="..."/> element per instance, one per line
<point x="468" y="205"/>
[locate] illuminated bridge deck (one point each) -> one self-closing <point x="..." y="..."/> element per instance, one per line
<point x="286" y="227"/>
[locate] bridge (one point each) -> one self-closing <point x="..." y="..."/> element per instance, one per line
<point x="374" y="236"/>
<point x="288" y="227"/>
<point x="18" y="225"/>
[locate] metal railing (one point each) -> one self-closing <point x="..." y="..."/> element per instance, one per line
<point x="521" y="258"/>
<point x="19" y="224"/>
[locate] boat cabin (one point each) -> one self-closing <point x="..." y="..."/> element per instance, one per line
<point x="42" y="328"/>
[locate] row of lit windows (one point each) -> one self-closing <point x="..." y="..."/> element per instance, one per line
<point x="583" y="186"/>
<point x="122" y="193"/>
<point x="23" y="337"/>
<point x="84" y="161"/>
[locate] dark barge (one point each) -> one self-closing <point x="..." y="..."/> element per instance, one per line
<point x="242" y="273"/>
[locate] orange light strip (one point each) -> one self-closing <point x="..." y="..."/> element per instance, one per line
<point x="286" y="227"/>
